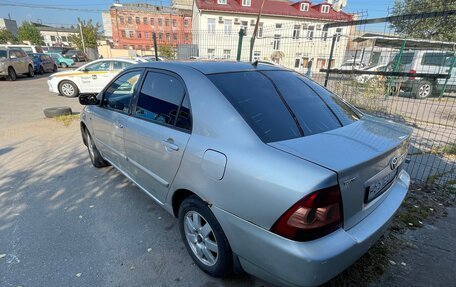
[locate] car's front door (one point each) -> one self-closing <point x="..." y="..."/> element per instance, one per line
<point x="157" y="133"/>
<point x="95" y="77"/>
<point x="108" y="120"/>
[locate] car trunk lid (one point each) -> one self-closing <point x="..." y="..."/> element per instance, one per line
<point x="366" y="155"/>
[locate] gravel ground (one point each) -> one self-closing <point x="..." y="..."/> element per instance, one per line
<point x="65" y="223"/>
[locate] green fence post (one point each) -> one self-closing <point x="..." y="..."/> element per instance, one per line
<point x="331" y="53"/>
<point x="449" y="74"/>
<point x="241" y="35"/>
<point x="154" y="37"/>
<point x="396" y="67"/>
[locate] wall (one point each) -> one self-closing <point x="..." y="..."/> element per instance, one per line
<point x="10" y="25"/>
<point x="299" y="48"/>
<point x="141" y="34"/>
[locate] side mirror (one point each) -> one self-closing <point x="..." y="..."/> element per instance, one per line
<point x="84" y="70"/>
<point x="88" y="99"/>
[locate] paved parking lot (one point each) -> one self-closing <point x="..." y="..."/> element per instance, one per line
<point x="65" y="223"/>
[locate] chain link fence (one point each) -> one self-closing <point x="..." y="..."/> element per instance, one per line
<point x="405" y="79"/>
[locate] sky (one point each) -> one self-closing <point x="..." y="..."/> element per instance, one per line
<point x="90" y="9"/>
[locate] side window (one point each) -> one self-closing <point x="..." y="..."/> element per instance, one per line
<point x="184" y="119"/>
<point x="99" y="66"/>
<point x="118" y="95"/>
<point x="119" y="65"/>
<point x="43" y="58"/>
<point x="433" y="59"/>
<point x="160" y="98"/>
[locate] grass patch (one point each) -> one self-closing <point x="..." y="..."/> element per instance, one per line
<point x="66" y="120"/>
<point x="449" y="149"/>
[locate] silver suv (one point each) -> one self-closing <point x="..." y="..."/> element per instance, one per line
<point x="427" y="62"/>
<point x="14" y="62"/>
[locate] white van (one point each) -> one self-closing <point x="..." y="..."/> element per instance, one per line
<point x="29" y="49"/>
<point x="428" y="62"/>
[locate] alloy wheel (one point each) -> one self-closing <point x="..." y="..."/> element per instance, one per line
<point x="424" y="90"/>
<point x="68" y="89"/>
<point x="201" y="238"/>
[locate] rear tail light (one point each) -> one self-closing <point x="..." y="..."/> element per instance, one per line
<point x="412" y="72"/>
<point x="312" y="217"/>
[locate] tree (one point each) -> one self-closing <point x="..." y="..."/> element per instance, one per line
<point x="90" y="33"/>
<point x="439" y="28"/>
<point x="166" y="51"/>
<point x="6" y="36"/>
<point x="28" y="32"/>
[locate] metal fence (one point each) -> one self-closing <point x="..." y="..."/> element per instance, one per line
<point x="395" y="76"/>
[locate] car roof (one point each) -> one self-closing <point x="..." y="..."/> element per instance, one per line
<point x="212" y="67"/>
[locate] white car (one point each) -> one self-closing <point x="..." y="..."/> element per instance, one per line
<point x="90" y="78"/>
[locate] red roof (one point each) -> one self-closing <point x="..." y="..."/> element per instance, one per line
<point x="274" y="8"/>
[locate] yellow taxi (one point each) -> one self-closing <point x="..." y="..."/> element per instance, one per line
<point x="90" y="78"/>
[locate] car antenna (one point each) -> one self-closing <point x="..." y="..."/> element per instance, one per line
<point x="255" y="63"/>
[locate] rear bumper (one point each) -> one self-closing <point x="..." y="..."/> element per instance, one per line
<point x="289" y="263"/>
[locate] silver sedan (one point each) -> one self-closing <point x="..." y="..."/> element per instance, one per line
<point x="266" y="171"/>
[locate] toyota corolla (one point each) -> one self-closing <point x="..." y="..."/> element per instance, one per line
<point x="266" y="171"/>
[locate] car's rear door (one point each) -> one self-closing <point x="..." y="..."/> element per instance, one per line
<point x="108" y="120"/>
<point x="157" y="133"/>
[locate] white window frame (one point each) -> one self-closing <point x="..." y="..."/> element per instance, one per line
<point x="221" y="2"/>
<point x="256" y="55"/>
<point x="296" y="32"/>
<point x="228" y="26"/>
<point x="211" y="55"/>
<point x="247" y="3"/>
<point x="227" y="54"/>
<point x="304" y="7"/>
<point x="211" y="26"/>
<point x="324" y="8"/>
<point x="276" y="43"/>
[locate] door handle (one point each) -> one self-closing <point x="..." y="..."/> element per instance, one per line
<point x="169" y="144"/>
<point x="118" y="125"/>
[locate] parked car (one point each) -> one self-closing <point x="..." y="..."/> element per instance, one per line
<point x="58" y="50"/>
<point x="43" y="63"/>
<point x="352" y="65"/>
<point x="265" y="170"/>
<point x="90" y="78"/>
<point x="372" y="80"/>
<point x="26" y="48"/>
<point x="14" y="62"/>
<point x="428" y="62"/>
<point x="60" y="60"/>
<point x="76" y="55"/>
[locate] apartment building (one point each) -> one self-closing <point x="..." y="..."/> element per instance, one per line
<point x="133" y="24"/>
<point x="56" y="36"/>
<point x="290" y="33"/>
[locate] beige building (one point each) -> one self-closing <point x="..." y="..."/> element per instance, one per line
<point x="289" y="33"/>
<point x="56" y="36"/>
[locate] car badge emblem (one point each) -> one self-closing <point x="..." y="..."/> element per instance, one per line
<point x="393" y="163"/>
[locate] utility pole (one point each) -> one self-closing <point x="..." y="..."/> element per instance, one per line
<point x="82" y="37"/>
<point x="255" y="31"/>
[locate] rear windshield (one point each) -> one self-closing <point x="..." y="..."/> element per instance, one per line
<point x="281" y="105"/>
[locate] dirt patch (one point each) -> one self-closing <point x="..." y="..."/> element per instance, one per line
<point x="424" y="204"/>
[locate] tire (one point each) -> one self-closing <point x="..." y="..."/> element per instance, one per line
<point x="95" y="156"/>
<point x="199" y="230"/>
<point x="63" y="65"/>
<point x="57" y="111"/>
<point x="41" y="71"/>
<point x="54" y="69"/>
<point x="31" y="72"/>
<point x="68" y="89"/>
<point x="423" y="90"/>
<point x="12" y="76"/>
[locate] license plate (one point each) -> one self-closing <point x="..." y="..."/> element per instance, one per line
<point x="378" y="187"/>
